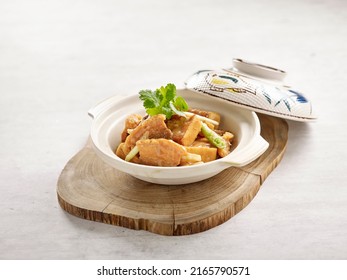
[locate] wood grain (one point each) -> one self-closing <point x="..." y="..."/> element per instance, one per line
<point x="90" y="189"/>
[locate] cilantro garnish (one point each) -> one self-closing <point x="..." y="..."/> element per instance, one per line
<point x="163" y="101"/>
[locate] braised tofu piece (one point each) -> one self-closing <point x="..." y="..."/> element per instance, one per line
<point x="153" y="127"/>
<point x="228" y="137"/>
<point x="119" y="151"/>
<point x="202" y="142"/>
<point x="207" y="154"/>
<point x="190" y="159"/>
<point x="160" y="152"/>
<point x="184" y="130"/>
<point x="131" y="122"/>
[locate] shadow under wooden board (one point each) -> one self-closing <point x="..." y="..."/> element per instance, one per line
<point x="90" y="189"/>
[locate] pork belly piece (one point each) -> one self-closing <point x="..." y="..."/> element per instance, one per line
<point x="160" y="152"/>
<point x="131" y="122"/>
<point x="184" y="131"/>
<point x="153" y="127"/>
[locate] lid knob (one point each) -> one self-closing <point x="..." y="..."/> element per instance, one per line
<point x="258" y="70"/>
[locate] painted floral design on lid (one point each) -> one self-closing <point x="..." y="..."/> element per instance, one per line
<point x="266" y="96"/>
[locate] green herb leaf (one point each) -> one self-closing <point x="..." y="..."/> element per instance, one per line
<point x="180" y="104"/>
<point x="158" y="101"/>
<point x="150" y="99"/>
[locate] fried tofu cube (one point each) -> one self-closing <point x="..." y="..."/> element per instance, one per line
<point x="207" y="154"/>
<point x="119" y="151"/>
<point x="184" y="131"/>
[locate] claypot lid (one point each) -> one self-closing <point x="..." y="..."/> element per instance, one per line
<point x="253" y="86"/>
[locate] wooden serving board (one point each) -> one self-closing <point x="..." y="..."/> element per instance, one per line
<point x="90" y="189"/>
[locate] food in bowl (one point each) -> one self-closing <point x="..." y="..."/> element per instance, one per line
<point x="172" y="133"/>
<point x="108" y="124"/>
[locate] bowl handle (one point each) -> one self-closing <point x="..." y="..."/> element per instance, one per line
<point x="103" y="105"/>
<point x="255" y="149"/>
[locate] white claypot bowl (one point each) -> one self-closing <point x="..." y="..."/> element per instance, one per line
<point x="108" y="123"/>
